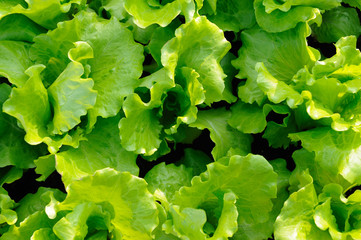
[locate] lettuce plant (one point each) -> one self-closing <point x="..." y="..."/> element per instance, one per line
<point x="180" y="119"/>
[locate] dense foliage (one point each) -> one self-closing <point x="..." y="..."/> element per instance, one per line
<point x="180" y="119"/>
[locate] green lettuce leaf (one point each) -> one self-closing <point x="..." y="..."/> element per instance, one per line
<point x="196" y="160"/>
<point x="43" y="234"/>
<point x="231" y="72"/>
<point x="346" y="54"/>
<point x="30" y="105"/>
<point x="184" y="134"/>
<point x="330" y="215"/>
<point x="117" y="62"/>
<point x="341" y="76"/>
<point x="353" y="3"/>
<point x="276" y="91"/>
<point x="71" y="96"/>
<point x="342" y="111"/>
<point x="102" y="149"/>
<point x="233" y="15"/>
<point x="250" y="118"/>
<point x="14" y="61"/>
<point x="32" y="225"/>
<point x="114" y="7"/>
<point x="17" y="27"/>
<point x="296" y="220"/>
<point x="321" y="177"/>
<point x="336" y="23"/>
<point x="339" y="106"/>
<point x="228" y="141"/>
<point x="180" y="105"/>
<point x="34" y="203"/>
<point x="125" y="197"/>
<point x="335" y="152"/>
<point x="46" y="14"/>
<point x="10" y="174"/>
<point x="264" y="230"/>
<point x="147" y="12"/>
<point x="45" y="165"/>
<point x="158" y="108"/>
<point x="168" y="178"/>
<point x="7" y="214"/>
<point x="159" y="38"/>
<point x="84" y="220"/>
<point x="337" y="214"/>
<point x="205" y="60"/>
<point x="32" y="217"/>
<point x="14" y="151"/>
<point x="159" y="233"/>
<point x="275" y="16"/>
<point x="277" y="133"/>
<point x="283" y="54"/>
<point x="237" y="178"/>
<point x="339" y="73"/>
<point x="286" y="5"/>
<point x="141" y="35"/>
<point x="140" y="130"/>
<point x="177" y="106"/>
<point x="210" y="6"/>
<point x="74" y="225"/>
<point x="188" y="223"/>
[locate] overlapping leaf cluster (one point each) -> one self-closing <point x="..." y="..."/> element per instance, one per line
<point x="89" y="87"/>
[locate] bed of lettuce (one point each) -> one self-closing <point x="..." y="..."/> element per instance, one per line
<point x="180" y="119"/>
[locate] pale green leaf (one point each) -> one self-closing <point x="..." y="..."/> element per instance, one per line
<point x="102" y="149"/>
<point x="228" y="140"/>
<point x="204" y="60"/>
<point x="134" y="209"/>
